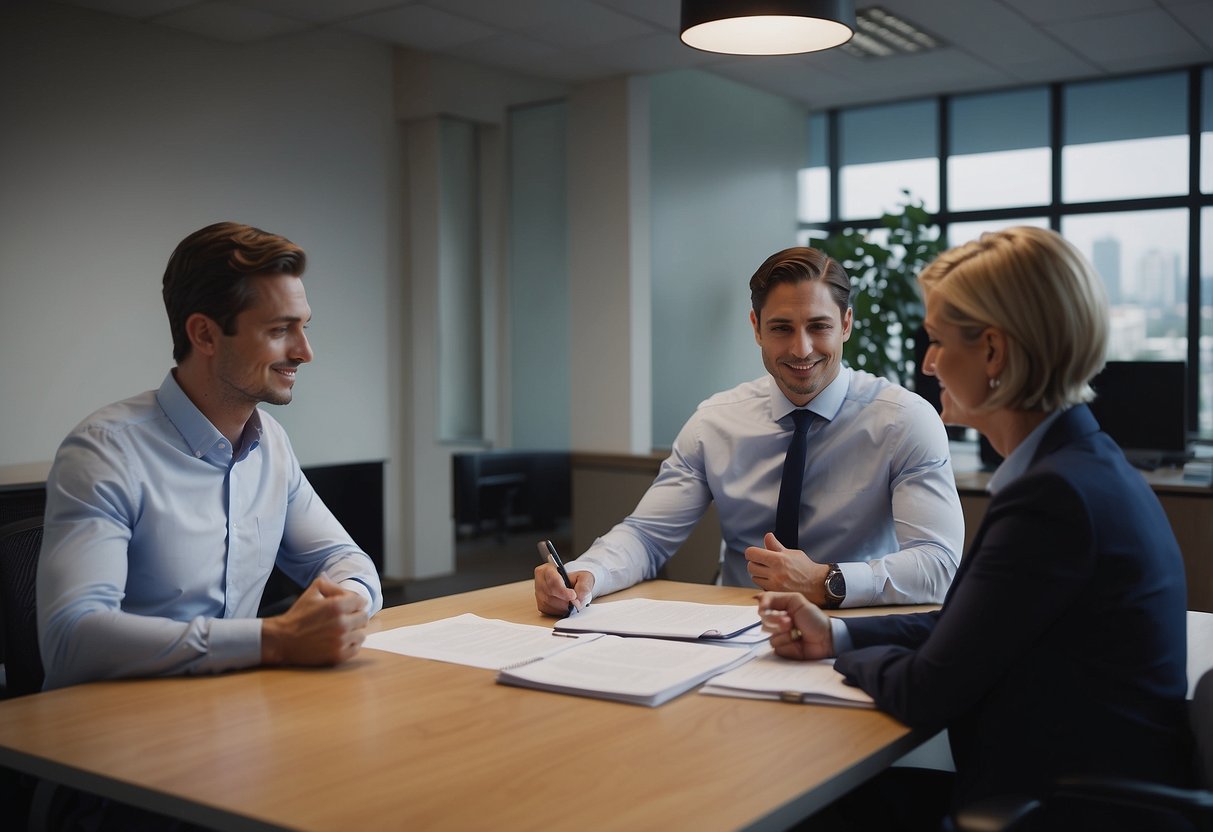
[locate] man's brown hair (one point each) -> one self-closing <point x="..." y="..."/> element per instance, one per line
<point x="212" y="272"/>
<point x="793" y="265"/>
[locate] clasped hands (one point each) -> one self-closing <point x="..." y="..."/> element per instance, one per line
<point x="325" y="626"/>
<point x="798" y="628"/>
<point x="775" y="568"/>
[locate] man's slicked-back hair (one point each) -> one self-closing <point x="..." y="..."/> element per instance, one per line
<point x="211" y="272"/>
<point x="793" y="265"/>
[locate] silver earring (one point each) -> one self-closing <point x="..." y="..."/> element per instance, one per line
<point x="995" y="382"/>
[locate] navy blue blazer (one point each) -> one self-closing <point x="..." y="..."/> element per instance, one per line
<point x="1061" y="647"/>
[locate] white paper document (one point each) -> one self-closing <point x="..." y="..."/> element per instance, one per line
<point x="772" y="677"/>
<point x="666" y="619"/>
<point x="640" y="671"/>
<point x="472" y="640"/>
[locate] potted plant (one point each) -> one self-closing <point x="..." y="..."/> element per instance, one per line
<point x="887" y="307"/>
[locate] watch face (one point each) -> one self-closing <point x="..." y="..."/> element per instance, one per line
<point x="836" y="585"/>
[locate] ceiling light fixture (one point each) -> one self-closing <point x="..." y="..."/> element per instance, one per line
<point x="881" y="34"/>
<point x="767" y="27"/>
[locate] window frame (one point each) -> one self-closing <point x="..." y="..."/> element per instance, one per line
<point x="1194" y="201"/>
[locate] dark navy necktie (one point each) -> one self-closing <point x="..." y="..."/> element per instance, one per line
<point x="787" y="513"/>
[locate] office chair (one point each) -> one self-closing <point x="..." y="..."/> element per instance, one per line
<point x="20" y="543"/>
<point x="1008" y="814"/>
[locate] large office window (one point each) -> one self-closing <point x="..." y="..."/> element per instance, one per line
<point x="999" y="153"/>
<point x="1122" y="167"/>
<point x="884" y="149"/>
<point x="1125" y="138"/>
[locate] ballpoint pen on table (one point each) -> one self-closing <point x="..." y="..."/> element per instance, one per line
<point x="548" y="552"/>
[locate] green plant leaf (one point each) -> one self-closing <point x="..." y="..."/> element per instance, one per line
<point x="885" y="301"/>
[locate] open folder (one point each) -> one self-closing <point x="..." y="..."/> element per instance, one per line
<point x="640" y="671"/>
<point x="667" y="620"/>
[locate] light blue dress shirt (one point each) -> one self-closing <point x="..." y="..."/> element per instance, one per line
<point x="158" y="543"/>
<point x="879" y="497"/>
<point x="1009" y="470"/>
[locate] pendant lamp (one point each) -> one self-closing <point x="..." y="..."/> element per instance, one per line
<point x="767" y="27"/>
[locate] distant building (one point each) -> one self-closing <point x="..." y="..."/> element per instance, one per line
<point x="1105" y="256"/>
<point x="1158" y="279"/>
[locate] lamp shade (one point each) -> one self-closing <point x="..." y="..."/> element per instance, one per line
<point x="766" y="27"/>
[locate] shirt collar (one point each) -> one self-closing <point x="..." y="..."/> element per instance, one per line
<point x="201" y="437"/>
<point x="1019" y="460"/>
<point x="825" y="404"/>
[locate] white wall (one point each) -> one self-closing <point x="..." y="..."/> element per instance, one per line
<point x="609" y="266"/>
<point x="724" y="162"/>
<point x="539" y="278"/>
<point x="119" y="139"/>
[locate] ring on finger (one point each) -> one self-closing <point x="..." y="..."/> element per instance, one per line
<point x="795" y="634"/>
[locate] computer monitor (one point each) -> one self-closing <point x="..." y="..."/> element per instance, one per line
<point x="1141" y="404"/>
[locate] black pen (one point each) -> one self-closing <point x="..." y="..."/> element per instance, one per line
<point x="548" y="552"/>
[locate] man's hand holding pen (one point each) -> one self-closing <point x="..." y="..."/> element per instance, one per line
<point x="798" y="628"/>
<point x="558" y="592"/>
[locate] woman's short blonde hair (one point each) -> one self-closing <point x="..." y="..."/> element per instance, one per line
<point x="1044" y="296"/>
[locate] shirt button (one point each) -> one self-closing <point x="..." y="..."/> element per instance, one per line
<point x="198" y="454"/>
<point x="222" y="445"/>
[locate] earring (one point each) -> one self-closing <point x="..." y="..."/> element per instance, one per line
<point x="995" y="382"/>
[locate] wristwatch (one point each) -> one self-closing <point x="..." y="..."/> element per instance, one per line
<point x="836" y="587"/>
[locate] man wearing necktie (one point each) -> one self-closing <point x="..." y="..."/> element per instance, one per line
<point x="828" y="480"/>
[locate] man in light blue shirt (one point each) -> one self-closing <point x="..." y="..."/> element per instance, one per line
<point x="166" y="512"/>
<point x="879" y="521"/>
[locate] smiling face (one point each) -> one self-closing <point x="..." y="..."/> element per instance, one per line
<point x="259" y="361"/>
<point x="962" y="366"/>
<point x="801" y="331"/>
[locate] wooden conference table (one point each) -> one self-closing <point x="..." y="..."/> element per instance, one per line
<point x="393" y="742"/>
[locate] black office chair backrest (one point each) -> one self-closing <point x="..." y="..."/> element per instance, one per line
<point x="20" y="543"/>
<point x="1201" y="712"/>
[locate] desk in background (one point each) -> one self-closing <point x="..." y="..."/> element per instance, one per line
<point x="394" y="742"/>
<point x="1189" y="507"/>
<point x="606" y="487"/>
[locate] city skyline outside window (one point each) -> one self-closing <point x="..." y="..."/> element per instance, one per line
<point x="1124" y="193"/>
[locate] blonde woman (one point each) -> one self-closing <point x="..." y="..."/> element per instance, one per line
<point x="1061" y="647"/>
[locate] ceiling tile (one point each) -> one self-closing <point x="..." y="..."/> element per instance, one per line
<point x="134" y="8"/>
<point x="1197" y="17"/>
<point x="577" y="23"/>
<point x="225" y="22"/>
<point x="990" y="43"/>
<point x="1047" y="11"/>
<point x="991" y="32"/>
<point x="1116" y="40"/>
<point x="321" y="11"/>
<point x="420" y="27"/>
<point x="667" y="15"/>
<point x="514" y="15"/>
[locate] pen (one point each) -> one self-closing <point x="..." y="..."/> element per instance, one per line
<point x="548" y="551"/>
